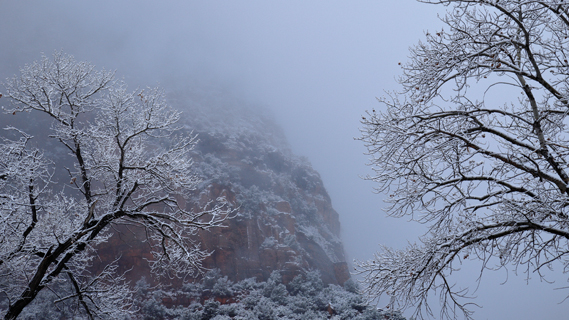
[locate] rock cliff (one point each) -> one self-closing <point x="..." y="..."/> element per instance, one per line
<point x="284" y="218"/>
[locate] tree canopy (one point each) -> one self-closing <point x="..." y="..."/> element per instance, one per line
<point x="110" y="157"/>
<point x="475" y="146"/>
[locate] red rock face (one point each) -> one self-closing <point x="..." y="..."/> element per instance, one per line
<point x="284" y="218"/>
<point x="271" y="238"/>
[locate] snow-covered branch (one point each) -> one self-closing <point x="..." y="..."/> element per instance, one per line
<point x="129" y="163"/>
<point x="487" y="176"/>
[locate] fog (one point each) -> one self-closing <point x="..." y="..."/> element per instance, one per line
<point x="318" y="65"/>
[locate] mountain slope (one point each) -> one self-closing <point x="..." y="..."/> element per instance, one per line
<point x="285" y="220"/>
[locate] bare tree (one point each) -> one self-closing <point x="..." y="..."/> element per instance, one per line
<point x="130" y="166"/>
<point x="487" y="175"/>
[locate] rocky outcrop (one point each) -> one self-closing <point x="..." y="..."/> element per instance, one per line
<point x="283" y="220"/>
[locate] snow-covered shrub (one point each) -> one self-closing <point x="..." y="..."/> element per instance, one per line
<point x="223" y="287"/>
<point x="305" y="297"/>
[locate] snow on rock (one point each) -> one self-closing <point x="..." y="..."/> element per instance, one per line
<point x="285" y="219"/>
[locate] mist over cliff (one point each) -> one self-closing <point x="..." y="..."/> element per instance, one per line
<point x="283" y="219"/>
<point x="279" y="255"/>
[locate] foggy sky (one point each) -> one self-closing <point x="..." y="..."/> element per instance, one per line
<point x="317" y="64"/>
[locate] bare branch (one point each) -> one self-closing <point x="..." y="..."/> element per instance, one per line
<point x="487" y="176"/>
<point x="130" y="163"/>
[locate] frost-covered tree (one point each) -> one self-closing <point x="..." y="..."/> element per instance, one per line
<point x="115" y="158"/>
<point x="475" y="146"/>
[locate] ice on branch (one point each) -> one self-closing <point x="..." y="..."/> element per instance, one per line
<point x="112" y="157"/>
<point x="475" y="146"/>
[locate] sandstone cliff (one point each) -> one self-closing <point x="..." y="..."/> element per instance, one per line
<point x="285" y="220"/>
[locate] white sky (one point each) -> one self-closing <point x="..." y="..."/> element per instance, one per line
<point x="317" y="64"/>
